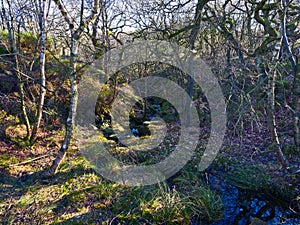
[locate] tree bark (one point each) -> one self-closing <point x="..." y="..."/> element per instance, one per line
<point x="42" y="70"/>
<point x="14" y="51"/>
<point x="197" y="22"/>
<point x="272" y="120"/>
<point x="271" y="109"/>
<point x="192" y="40"/>
<point x="72" y="111"/>
<point x="75" y="36"/>
<point x="296" y="82"/>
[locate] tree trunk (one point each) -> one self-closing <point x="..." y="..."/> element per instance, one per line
<point x="192" y="40"/>
<point x="72" y="111"/>
<point x="197" y="22"/>
<point x="42" y="70"/>
<point x="296" y="109"/>
<point x="296" y="82"/>
<point x="75" y="36"/>
<point x="272" y="120"/>
<point x="14" y="51"/>
<point x="271" y="108"/>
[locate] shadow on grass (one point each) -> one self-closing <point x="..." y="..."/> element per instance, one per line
<point x="17" y="186"/>
<point x="97" y="217"/>
<point x="14" y="190"/>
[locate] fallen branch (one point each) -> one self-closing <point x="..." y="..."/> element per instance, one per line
<point x="30" y="160"/>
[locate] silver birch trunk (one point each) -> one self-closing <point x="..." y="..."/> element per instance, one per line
<point x="75" y="36"/>
<point x="72" y="111"/>
<point x="42" y="69"/>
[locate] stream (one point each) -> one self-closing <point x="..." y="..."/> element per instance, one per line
<point x="241" y="206"/>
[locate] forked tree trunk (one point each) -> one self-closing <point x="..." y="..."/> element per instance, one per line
<point x="296" y="109"/>
<point x="197" y="22"/>
<point x="75" y="36"/>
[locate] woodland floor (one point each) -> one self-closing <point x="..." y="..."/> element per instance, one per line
<point x="78" y="195"/>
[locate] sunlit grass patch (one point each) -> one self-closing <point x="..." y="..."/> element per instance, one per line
<point x="201" y="202"/>
<point x="161" y="204"/>
<point x="66" y="199"/>
<point x="204" y="204"/>
<point x="166" y="206"/>
<point x="77" y="163"/>
<point x="77" y="195"/>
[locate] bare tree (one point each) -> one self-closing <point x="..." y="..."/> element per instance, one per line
<point x="10" y="21"/>
<point x="75" y="34"/>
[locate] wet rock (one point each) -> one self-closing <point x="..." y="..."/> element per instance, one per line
<point x="143" y="131"/>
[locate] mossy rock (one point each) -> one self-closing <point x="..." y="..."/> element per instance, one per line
<point x="135" y="121"/>
<point x="18" y="134"/>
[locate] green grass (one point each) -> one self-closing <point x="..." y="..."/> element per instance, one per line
<point x="249" y="177"/>
<point x="257" y="179"/>
<point x="6" y="160"/>
<point x="77" y="195"/>
<point x="164" y="204"/>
